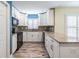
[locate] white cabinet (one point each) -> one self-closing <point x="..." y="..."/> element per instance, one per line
<point x="14" y="43"/>
<point x="51" y="17"/>
<point x="29" y="36"/>
<point x="20" y="16"/>
<point x="61" y="50"/>
<point x="49" y="46"/>
<point x="69" y="50"/>
<point x="43" y="19"/>
<point x="24" y="36"/>
<point x="52" y="47"/>
<point x="32" y="36"/>
<point x="55" y="47"/>
<point x="16" y="13"/>
<point x="47" y="18"/>
<point x="40" y="36"/>
<point x="21" y="19"/>
<point x="13" y="11"/>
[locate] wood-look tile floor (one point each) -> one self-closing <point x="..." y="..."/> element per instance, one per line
<point x="31" y="50"/>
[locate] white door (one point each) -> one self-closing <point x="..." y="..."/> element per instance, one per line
<point x="4" y="29"/>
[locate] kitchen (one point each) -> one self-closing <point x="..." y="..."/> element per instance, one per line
<point x="40" y="29"/>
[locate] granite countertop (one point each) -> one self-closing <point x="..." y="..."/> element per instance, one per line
<point x="62" y="38"/>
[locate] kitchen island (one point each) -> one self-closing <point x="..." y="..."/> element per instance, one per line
<point x="61" y="46"/>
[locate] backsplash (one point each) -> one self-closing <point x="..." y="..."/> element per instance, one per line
<point x="19" y="28"/>
<point x="47" y="28"/>
<point x="40" y="28"/>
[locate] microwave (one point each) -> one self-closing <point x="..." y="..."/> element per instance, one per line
<point x="15" y="21"/>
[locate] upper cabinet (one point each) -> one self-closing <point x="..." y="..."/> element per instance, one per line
<point x="13" y="11"/>
<point x="43" y="19"/>
<point x="47" y="18"/>
<point x="22" y="19"/>
<point x="20" y="16"/>
<point x="51" y="17"/>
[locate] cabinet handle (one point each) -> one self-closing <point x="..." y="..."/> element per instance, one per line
<point x="32" y="35"/>
<point x="52" y="47"/>
<point x="52" y="40"/>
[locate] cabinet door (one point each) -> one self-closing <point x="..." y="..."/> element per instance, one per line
<point x="43" y="19"/>
<point x="29" y="36"/>
<point x="24" y="36"/>
<point x="55" y="48"/>
<point x="25" y="20"/>
<point x="16" y="13"/>
<point x="22" y="19"/>
<point x="13" y="11"/>
<point x="51" y="17"/>
<point x="49" y="46"/>
<point x="40" y="36"/>
<point x="52" y="47"/>
<point x="69" y="51"/>
<point x="14" y="43"/>
<point x="36" y="36"/>
<point x="46" y="44"/>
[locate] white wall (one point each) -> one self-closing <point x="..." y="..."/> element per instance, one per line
<point x="60" y="17"/>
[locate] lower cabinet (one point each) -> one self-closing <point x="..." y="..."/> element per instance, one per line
<point x="52" y="47"/>
<point x="32" y="37"/>
<point x="24" y="36"/>
<point x="61" y="50"/>
<point x="69" y="50"/>
<point x="14" y="43"/>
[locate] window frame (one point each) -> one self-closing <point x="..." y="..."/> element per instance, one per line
<point x="33" y="27"/>
<point x="65" y="24"/>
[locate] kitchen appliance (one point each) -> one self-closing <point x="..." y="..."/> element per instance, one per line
<point x="19" y="40"/>
<point x="15" y="21"/>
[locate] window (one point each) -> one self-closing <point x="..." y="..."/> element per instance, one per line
<point x="33" y="21"/>
<point x="72" y="26"/>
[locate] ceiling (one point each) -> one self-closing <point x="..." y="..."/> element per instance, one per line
<point x="42" y="6"/>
